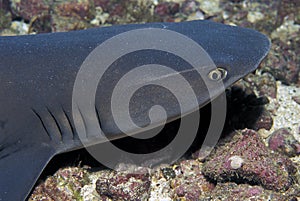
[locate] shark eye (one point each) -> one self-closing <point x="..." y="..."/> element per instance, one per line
<point x="217" y="74"/>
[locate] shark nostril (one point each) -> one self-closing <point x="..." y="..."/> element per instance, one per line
<point x="217" y="74"/>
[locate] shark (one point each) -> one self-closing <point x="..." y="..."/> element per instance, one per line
<point x="38" y="74"/>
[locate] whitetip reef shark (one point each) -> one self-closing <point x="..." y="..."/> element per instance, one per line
<point x="37" y="75"/>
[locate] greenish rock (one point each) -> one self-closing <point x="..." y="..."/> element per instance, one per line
<point x="168" y="173"/>
<point x="65" y="184"/>
<point x="5" y="19"/>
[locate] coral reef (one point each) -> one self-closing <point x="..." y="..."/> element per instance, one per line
<point x="123" y="186"/>
<point x="283" y="141"/>
<point x="235" y="192"/>
<point x="257" y="164"/>
<point x="65" y="184"/>
<point x="190" y="183"/>
<point x="241" y="167"/>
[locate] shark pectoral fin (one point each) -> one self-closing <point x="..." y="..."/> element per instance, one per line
<point x="20" y="169"/>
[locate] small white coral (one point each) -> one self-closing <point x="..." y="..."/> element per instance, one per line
<point x="236" y="162"/>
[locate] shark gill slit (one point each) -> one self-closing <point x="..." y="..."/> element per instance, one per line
<point x="69" y="122"/>
<point x="56" y="124"/>
<point x="42" y="122"/>
<point x="84" y="123"/>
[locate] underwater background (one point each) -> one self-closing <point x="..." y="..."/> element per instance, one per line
<point x="259" y="160"/>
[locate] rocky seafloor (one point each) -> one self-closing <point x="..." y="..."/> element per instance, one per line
<point x="258" y="160"/>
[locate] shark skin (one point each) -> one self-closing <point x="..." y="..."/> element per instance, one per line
<point x="37" y="75"/>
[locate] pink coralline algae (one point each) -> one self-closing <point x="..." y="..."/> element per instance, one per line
<point x="123" y="186"/>
<point x="256" y="164"/>
<point x="190" y="183"/>
<point x="283" y="141"/>
<point x="283" y="59"/>
<point x="31" y="8"/>
<point x="166" y="8"/>
<point x="235" y="192"/>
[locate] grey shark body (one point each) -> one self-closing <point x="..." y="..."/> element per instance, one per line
<point x="37" y="75"/>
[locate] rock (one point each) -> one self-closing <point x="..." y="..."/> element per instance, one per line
<point x="282" y="61"/>
<point x="166" y="8"/>
<point x="266" y="85"/>
<point x="246" y="85"/>
<point x="246" y="192"/>
<point x="286" y="30"/>
<point x="189" y="7"/>
<point x="255" y="16"/>
<point x="283" y="141"/>
<point x="265" y="121"/>
<point x="72" y="15"/>
<point x="123" y="186"/>
<point x="160" y="184"/>
<point x="5" y="15"/>
<point x="47" y="15"/>
<point x="212" y="7"/>
<point x="168" y="173"/>
<point x="19" y="28"/>
<point x="104" y="4"/>
<point x="28" y="9"/>
<point x="288" y="9"/>
<point x="190" y="184"/>
<point x="65" y="184"/>
<point x="296" y="99"/>
<point x="257" y="163"/>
